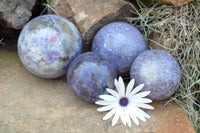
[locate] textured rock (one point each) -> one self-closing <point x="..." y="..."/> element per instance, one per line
<point x="90" y="15"/>
<point x="31" y="104"/>
<point x="15" y="13"/>
<point x="177" y="3"/>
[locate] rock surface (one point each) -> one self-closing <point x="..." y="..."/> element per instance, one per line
<point x="91" y="15"/>
<point x="31" y="104"/>
<point x="177" y="3"/>
<point x="16" y="13"/>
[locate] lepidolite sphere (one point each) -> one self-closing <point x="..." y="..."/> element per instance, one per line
<point x="47" y="44"/>
<point x="89" y="75"/>
<point x="121" y="43"/>
<point x="159" y="71"/>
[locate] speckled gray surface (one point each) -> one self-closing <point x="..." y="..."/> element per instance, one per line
<point x="119" y="42"/>
<point x="159" y="71"/>
<point x="47" y="44"/>
<point x="89" y="75"/>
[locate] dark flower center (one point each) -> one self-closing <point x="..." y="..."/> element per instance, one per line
<point x="123" y="101"/>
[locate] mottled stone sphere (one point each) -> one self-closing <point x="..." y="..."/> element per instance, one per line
<point x="89" y="75"/>
<point x="159" y="71"/>
<point x="120" y="43"/>
<point x="47" y="44"/>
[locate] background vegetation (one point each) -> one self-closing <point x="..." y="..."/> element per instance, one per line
<point x="176" y="30"/>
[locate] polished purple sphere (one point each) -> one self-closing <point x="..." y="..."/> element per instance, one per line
<point x="158" y="71"/>
<point x="89" y="75"/>
<point x="120" y="43"/>
<point x="47" y="44"/>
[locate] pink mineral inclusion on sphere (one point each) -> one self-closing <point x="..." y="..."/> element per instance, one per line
<point x="46" y="47"/>
<point x="53" y="39"/>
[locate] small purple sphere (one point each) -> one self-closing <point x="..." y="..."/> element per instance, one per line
<point x="120" y="43"/>
<point x="89" y="75"/>
<point x="47" y="44"/>
<point x="158" y="71"/>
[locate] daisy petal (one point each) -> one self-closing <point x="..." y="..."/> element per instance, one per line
<point x="134" y="118"/>
<point x="105" y="108"/>
<point x="130" y="87"/>
<point x="142" y="94"/>
<point x="117" y="85"/>
<point x="112" y="92"/>
<point x="115" y="118"/>
<point x="108" y="97"/>
<point x="109" y="114"/>
<point x="128" y="120"/>
<point x="141" y="100"/>
<point x="103" y="102"/>
<point x="139" y="115"/>
<point x="142" y="112"/>
<point x="143" y="105"/>
<point x="137" y="89"/>
<point x="122" y="87"/>
<point x="123" y="117"/>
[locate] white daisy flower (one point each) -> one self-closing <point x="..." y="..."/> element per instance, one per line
<point x="125" y="105"/>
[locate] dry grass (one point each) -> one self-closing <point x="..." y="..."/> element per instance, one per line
<point x="180" y="28"/>
<point x="48" y="8"/>
<point x="1" y="42"/>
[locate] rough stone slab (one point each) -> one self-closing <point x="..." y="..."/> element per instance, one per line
<point x="31" y="104"/>
<point x="177" y="3"/>
<point x="16" y="13"/>
<point x="91" y="15"/>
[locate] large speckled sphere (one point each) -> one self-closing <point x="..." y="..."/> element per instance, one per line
<point x="159" y="71"/>
<point x="121" y="43"/>
<point x="89" y="75"/>
<point x="47" y="44"/>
